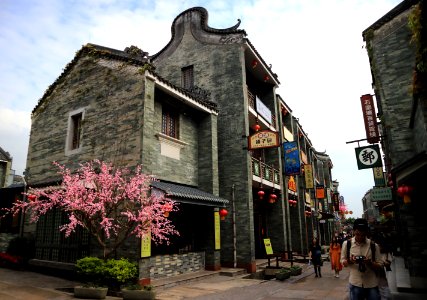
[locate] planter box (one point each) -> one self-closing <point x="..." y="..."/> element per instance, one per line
<point x="138" y="295"/>
<point x="296" y="272"/>
<point x="283" y="275"/>
<point x="90" y="292"/>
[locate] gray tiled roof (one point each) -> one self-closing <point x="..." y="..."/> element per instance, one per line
<point x="182" y="193"/>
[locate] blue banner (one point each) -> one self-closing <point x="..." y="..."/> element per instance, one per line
<point x="292" y="160"/>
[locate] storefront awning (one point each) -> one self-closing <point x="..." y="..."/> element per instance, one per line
<point x="186" y="194"/>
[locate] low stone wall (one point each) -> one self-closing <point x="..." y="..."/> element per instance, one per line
<point x="176" y="264"/>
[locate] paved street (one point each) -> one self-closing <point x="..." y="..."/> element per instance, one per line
<point x="24" y="285"/>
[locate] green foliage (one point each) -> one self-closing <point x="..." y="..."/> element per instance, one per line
<point x="120" y="272"/>
<point x="91" y="270"/>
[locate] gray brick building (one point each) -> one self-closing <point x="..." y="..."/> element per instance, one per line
<point x="397" y="51"/>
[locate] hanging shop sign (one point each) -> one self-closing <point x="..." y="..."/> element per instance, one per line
<point x="308" y="176"/>
<point x="379" y="177"/>
<point x="369" y="116"/>
<point x="381" y="194"/>
<point x="292" y="186"/>
<point x="320" y="192"/>
<point x="263" y="110"/>
<point x="291" y="157"/>
<point x="328" y="195"/>
<point x="263" y="139"/>
<point x="146" y="245"/>
<point x="217" y="230"/>
<point x="335" y="201"/>
<point x="368" y="157"/>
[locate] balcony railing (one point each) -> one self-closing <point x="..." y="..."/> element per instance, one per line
<point x="264" y="171"/>
<point x="251" y="99"/>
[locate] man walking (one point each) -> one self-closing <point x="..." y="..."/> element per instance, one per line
<point x="363" y="258"/>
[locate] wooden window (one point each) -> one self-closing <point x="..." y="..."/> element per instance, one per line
<point x="76" y="129"/>
<point x="187" y="77"/>
<point x="170" y="123"/>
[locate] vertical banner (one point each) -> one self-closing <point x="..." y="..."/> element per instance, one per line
<point x="268" y="247"/>
<point x="320" y="192"/>
<point x="217" y="231"/>
<point x="379" y="178"/>
<point x="336" y="201"/>
<point x="370" y="118"/>
<point x="146" y="245"/>
<point x="308" y="174"/>
<point x="291" y="157"/>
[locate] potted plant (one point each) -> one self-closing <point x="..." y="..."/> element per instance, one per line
<point x="138" y="292"/>
<point x="119" y="273"/>
<point x="91" y="271"/>
<point x="283" y="274"/>
<point x="295" y="270"/>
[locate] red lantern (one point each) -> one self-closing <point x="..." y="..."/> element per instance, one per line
<point x="32" y="197"/>
<point x="254" y="63"/>
<point x="223" y="213"/>
<point x="400" y="191"/>
<point x="256" y="127"/>
<point x="273" y="198"/>
<point x="167" y="208"/>
<point x="266" y="78"/>
<point x="261" y="194"/>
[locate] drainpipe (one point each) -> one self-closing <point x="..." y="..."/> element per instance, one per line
<point x="234" y="228"/>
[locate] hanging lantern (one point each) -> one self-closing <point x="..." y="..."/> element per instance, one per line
<point x="272" y="199"/>
<point x="254" y="63"/>
<point x="256" y="127"/>
<point x="31" y="197"/>
<point x="400" y="191"/>
<point x="167" y="208"/>
<point x="261" y="194"/>
<point x="266" y="78"/>
<point x="350" y="212"/>
<point x="223" y="213"/>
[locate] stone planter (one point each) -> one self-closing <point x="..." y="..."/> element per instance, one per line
<point x="90" y="292"/>
<point x="138" y="295"/>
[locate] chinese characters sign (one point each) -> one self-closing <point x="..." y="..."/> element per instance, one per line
<point x="368" y="157"/>
<point x="217" y="231"/>
<point x="308" y="174"/>
<point x="381" y="194"/>
<point x="263" y="139"/>
<point x="379" y="178"/>
<point x="369" y="117"/>
<point x="320" y="192"/>
<point x="291" y="156"/>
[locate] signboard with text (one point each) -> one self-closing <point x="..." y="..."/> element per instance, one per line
<point x="370" y="118"/>
<point x="308" y="176"/>
<point x="381" y="194"/>
<point x="368" y="157"/>
<point x="263" y="139"/>
<point x="291" y="156"/>
<point x="379" y="178"/>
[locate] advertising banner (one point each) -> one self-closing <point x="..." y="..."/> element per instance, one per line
<point x="370" y="118"/>
<point x="291" y="157"/>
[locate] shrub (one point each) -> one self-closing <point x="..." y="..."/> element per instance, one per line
<point x="120" y="272"/>
<point x="92" y="270"/>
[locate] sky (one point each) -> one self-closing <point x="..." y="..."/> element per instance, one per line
<point x="314" y="46"/>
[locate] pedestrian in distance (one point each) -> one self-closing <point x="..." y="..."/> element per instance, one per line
<point x="335" y="256"/>
<point x="316" y="257"/>
<point x="363" y="258"/>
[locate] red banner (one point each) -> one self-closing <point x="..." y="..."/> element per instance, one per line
<point x="370" y="118"/>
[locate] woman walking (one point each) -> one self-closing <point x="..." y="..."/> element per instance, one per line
<point x="335" y="256"/>
<point x="316" y="257"/>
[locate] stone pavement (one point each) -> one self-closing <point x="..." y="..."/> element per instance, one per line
<point x="25" y="285"/>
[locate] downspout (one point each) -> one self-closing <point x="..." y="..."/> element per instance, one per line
<point x="234" y="228"/>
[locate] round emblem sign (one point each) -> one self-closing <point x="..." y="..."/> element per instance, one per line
<point x="369" y="156"/>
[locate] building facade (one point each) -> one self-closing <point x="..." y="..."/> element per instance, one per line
<point x="396" y="45"/>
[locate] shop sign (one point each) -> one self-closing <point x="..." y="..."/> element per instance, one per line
<point x="146" y="245"/>
<point x="368" y="157"/>
<point x="379" y="178"/>
<point x="369" y="116"/>
<point x="291" y="157"/>
<point x="268" y="247"/>
<point x="217" y="230"/>
<point x="292" y="186"/>
<point x="263" y="139"/>
<point x="308" y="176"/>
<point x="381" y="194"/>
<point x="320" y="192"/>
<point x="263" y="110"/>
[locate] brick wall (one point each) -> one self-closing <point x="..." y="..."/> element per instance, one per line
<point x="176" y="264"/>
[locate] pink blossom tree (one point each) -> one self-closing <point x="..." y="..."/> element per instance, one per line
<point x="111" y="203"/>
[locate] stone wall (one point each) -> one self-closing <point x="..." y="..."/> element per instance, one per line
<point x="176" y="264"/>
